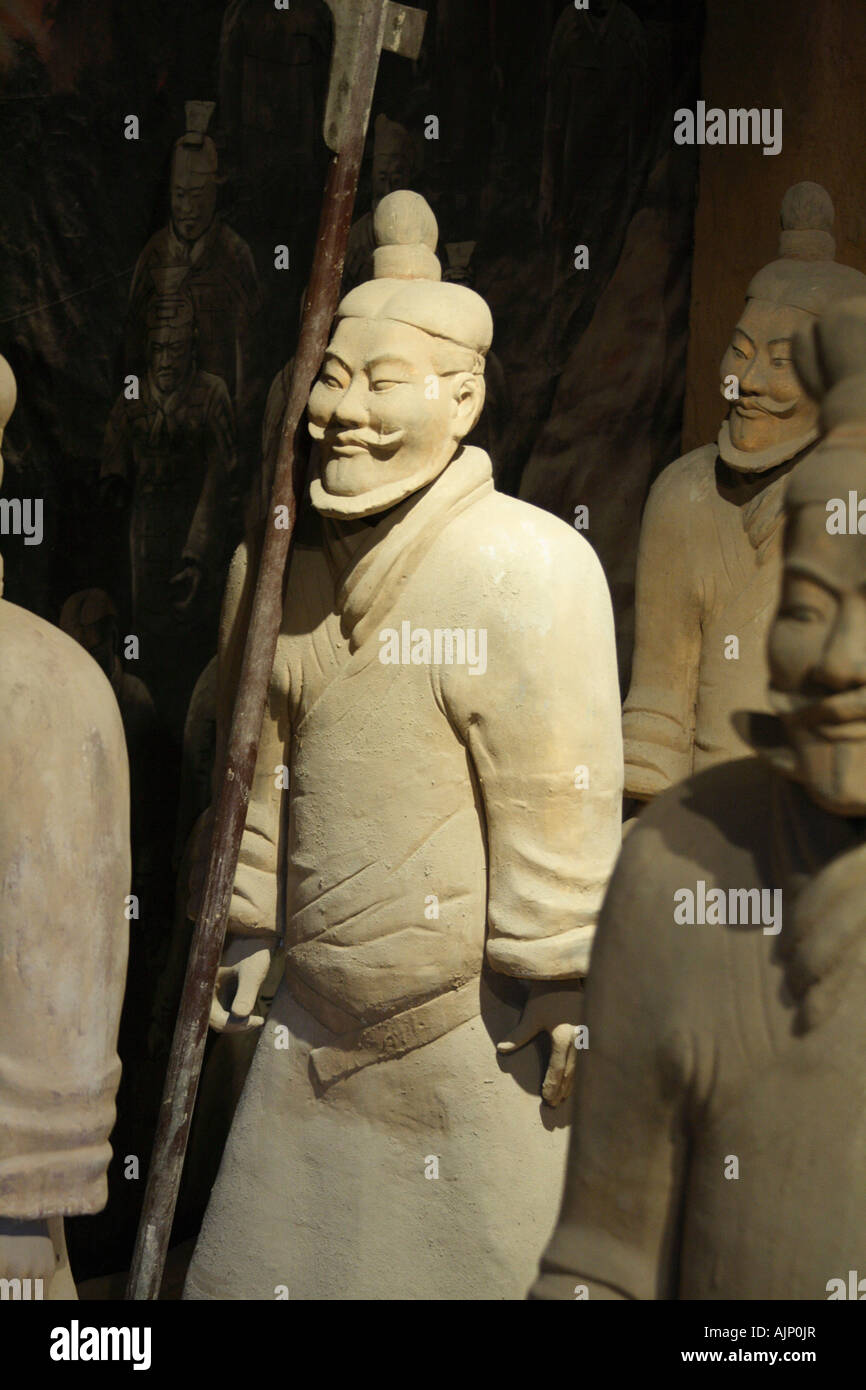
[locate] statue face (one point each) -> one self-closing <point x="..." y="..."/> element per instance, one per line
<point x="389" y="172"/>
<point x="774" y="406"/>
<point x="169" y="356"/>
<point x="817" y="653"/>
<point x="193" y="200"/>
<point x="381" y="411"/>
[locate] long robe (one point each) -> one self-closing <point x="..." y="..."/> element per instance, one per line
<point x="697" y="1055"/>
<point x="709" y="569"/>
<point x="440" y="844"/>
<point x="64" y="874"/>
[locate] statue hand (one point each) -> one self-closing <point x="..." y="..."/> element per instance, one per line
<point x="190" y="579"/>
<point x="26" y="1250"/>
<point x="552" y="1007"/>
<point x="239" y="979"/>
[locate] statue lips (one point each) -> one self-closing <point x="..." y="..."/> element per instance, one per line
<point x="836" y="718"/>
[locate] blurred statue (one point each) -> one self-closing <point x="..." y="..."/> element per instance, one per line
<point x="64" y="877"/>
<point x="393" y="161"/>
<point x="219" y="273"/>
<point x="718" y="1144"/>
<point x="710" y="547"/>
<point x="172" y="449"/>
<point x="595" y="127"/>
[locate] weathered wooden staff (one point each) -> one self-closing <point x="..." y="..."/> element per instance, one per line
<point x="362" y="29"/>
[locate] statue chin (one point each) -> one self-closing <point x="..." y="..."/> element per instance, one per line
<point x="368" y="501"/>
<point x="834" y="774"/>
<point x="760" y="460"/>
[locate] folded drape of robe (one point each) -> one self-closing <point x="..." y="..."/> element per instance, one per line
<point x="434" y="811"/>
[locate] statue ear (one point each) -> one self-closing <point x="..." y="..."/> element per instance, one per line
<point x="469" y="393"/>
<point x="806" y="350"/>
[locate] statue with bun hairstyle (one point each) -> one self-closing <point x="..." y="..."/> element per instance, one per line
<point x="718" y="1143"/>
<point x="431" y="857"/>
<point x="711" y="537"/>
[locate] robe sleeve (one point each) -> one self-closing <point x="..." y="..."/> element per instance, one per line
<point x="255" y="897"/>
<point x="618" y="1226"/>
<point x="64" y="876"/>
<point x="659" y="712"/>
<point x="542" y="727"/>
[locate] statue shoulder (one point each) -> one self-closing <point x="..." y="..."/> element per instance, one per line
<point x="688" y="478"/>
<point x="536" y="547"/>
<point x="679" y="499"/>
<point x="721" y="809"/>
<point x="64" y="687"/>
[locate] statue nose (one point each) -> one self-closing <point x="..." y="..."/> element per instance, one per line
<point x="842" y="663"/>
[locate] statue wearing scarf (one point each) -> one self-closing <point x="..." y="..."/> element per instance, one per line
<point x="710" y="546"/>
<point x="719" y="1138"/>
<point x="64" y="877"/>
<point x="444" y="701"/>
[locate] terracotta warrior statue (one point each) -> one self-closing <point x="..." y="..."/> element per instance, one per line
<point x="219" y="273"/>
<point x="718" y="1142"/>
<point x="443" y="713"/>
<point x="171" y="455"/>
<point x="64" y="874"/>
<point x="710" y="546"/>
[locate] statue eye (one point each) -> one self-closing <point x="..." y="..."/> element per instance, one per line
<point x="383" y="384"/>
<point x="737" y="351"/>
<point x="800" y="613"/>
<point x="328" y="379"/>
<point x="781" y="362"/>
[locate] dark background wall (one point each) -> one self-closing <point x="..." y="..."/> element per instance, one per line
<point x="809" y="58"/>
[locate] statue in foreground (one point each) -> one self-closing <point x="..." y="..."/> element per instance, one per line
<point x="64" y="874"/>
<point x="719" y="1141"/>
<point x="433" y="820"/>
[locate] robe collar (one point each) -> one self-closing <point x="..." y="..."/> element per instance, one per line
<point x="372" y="564"/>
<point x="759" y="495"/>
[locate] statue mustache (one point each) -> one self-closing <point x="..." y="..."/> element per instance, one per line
<point x="365" y="439"/>
<point x="764" y="403"/>
<point x="845" y="707"/>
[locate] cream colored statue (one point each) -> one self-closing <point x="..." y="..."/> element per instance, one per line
<point x="444" y="709"/>
<point x="710" y="547"/>
<point x="719" y="1140"/>
<point x="64" y="874"/>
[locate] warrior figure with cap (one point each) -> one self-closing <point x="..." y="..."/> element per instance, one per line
<point x="219" y="273"/>
<point x="64" y="874"/>
<point x="710" y="546"/>
<point x="723" y="1041"/>
<point x="173" y="449"/>
<point x="434" y="870"/>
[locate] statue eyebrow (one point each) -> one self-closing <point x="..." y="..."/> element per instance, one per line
<point x="331" y="356"/>
<point x="388" y="359"/>
<point x="807" y="569"/>
<point x="774" y="342"/>
<point x="743" y="334"/>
